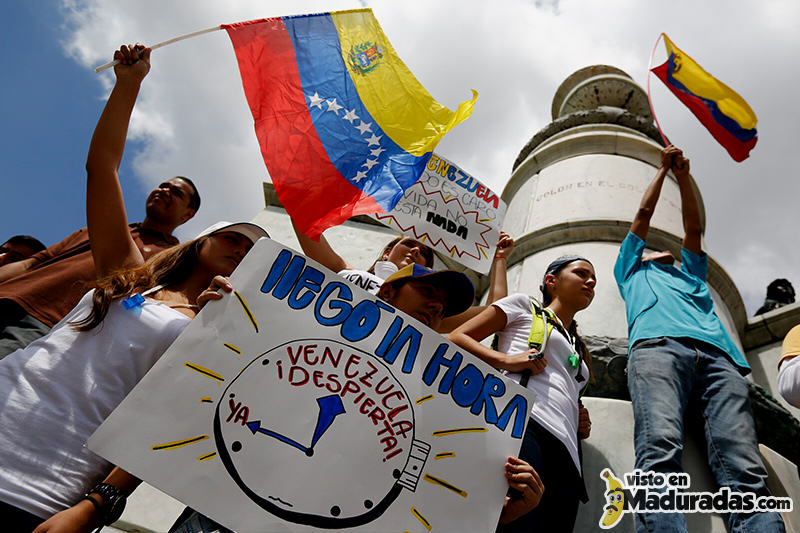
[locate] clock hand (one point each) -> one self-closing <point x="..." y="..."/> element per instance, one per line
<point x="329" y="408"/>
<point x="255" y="427"/>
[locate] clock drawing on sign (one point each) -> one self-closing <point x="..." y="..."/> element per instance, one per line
<point x="319" y="433"/>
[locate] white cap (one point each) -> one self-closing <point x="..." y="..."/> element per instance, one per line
<point x="248" y="229"/>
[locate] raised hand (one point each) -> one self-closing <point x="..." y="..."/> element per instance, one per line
<point x="505" y="245"/>
<point x="680" y="165"/>
<point x="668" y="155"/>
<point x="134" y="62"/>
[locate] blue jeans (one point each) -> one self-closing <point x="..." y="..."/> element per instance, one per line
<point x="665" y="377"/>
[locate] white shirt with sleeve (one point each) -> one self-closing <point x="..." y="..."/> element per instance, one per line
<point x="56" y="391"/>
<point x="789" y="367"/>
<point x="367" y="280"/>
<point x="557" y="390"/>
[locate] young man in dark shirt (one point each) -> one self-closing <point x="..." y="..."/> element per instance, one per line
<point x="37" y="292"/>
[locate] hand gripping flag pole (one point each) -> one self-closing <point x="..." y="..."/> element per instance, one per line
<point x="159" y="45"/>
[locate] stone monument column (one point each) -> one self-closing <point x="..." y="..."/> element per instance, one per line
<point x="576" y="186"/>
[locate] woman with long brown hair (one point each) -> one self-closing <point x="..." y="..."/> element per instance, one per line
<point x="539" y="347"/>
<point x="56" y="391"/>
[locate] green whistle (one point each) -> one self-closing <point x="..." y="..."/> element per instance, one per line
<point x="573" y="360"/>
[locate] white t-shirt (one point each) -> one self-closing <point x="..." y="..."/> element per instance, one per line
<point x="789" y="367"/>
<point x="789" y="380"/>
<point x="368" y="281"/>
<point x="557" y="391"/>
<point x="56" y="391"/>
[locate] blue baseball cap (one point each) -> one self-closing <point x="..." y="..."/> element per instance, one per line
<point x="456" y="285"/>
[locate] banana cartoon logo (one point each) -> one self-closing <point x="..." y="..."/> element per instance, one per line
<point x="615" y="496"/>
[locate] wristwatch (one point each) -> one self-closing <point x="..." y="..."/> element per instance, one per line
<point x="113" y="502"/>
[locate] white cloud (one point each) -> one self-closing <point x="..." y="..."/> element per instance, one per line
<point x="194" y="120"/>
<point x="759" y="263"/>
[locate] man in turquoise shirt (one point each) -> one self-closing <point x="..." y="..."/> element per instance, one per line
<point x="682" y="360"/>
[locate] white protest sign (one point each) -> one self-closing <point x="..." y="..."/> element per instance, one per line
<point x="302" y="403"/>
<point x="452" y="212"/>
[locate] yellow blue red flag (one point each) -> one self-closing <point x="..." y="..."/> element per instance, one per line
<point x="344" y="126"/>
<point x="725" y="114"/>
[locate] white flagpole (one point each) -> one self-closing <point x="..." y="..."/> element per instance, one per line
<point x="159" y="45"/>
<point x="649" y="98"/>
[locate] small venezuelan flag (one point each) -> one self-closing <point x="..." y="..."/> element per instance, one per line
<point x="719" y="108"/>
<point x="344" y="126"/>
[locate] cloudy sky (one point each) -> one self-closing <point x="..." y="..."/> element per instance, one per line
<point x="192" y="116"/>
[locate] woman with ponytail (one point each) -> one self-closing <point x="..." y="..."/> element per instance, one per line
<point x="56" y="391"/>
<point x="555" y="364"/>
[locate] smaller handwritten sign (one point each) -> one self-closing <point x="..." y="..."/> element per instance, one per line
<point x="452" y="212"/>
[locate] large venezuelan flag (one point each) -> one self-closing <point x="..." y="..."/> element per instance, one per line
<point x="344" y="126"/>
<point x="719" y="108"/>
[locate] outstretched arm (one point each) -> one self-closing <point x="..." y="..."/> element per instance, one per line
<point x="498" y="277"/>
<point x="321" y="251"/>
<point x="689" y="208"/>
<point x="16" y="268"/>
<point x="83" y="517"/>
<point x="112" y="245"/>
<point x="498" y="285"/>
<point x="491" y="320"/>
<point x="641" y="222"/>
